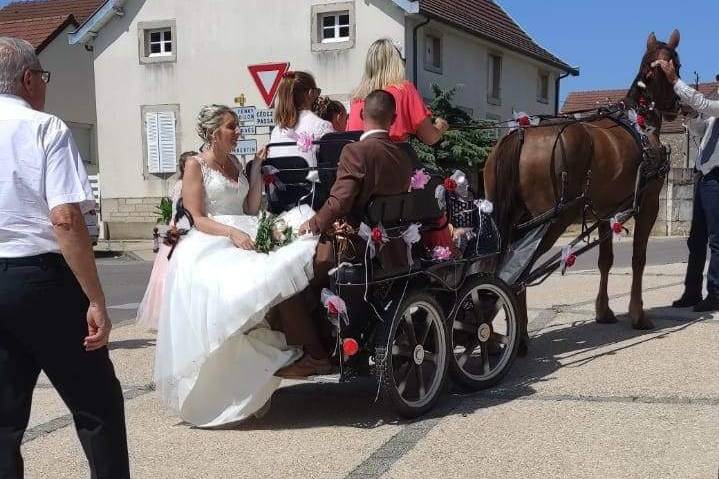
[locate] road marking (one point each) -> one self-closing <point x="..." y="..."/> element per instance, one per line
<point x="127" y="306"/>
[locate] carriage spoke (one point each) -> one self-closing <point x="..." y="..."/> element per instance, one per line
<point x="466" y="327"/>
<point x="425" y="335"/>
<point x="499" y="338"/>
<point x="420" y="381"/>
<point x="402" y="385"/>
<point x="430" y="357"/>
<point x="401" y="351"/>
<point x="468" y="350"/>
<point x="485" y="359"/>
<point x="409" y="327"/>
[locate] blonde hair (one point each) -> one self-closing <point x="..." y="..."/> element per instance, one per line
<point x="383" y="68"/>
<point x="291" y="93"/>
<point x="210" y="119"/>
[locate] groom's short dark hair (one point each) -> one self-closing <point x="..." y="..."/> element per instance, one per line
<point x="380" y="107"/>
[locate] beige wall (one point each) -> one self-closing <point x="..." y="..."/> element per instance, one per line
<point x="213" y="52"/>
<point x="465" y="60"/>
<point x="71" y="92"/>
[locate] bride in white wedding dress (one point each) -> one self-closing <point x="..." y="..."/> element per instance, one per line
<point x="216" y="355"/>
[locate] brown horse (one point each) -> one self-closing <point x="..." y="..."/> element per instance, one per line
<point x="601" y="158"/>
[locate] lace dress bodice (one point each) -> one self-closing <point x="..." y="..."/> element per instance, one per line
<point x="222" y="196"/>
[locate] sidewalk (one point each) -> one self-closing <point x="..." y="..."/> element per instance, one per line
<point x="590" y="401"/>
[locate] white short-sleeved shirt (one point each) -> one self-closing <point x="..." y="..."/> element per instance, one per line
<point x="308" y="124"/>
<point x="40" y="168"/>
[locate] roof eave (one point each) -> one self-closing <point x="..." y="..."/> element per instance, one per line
<point x="409" y="6"/>
<point x="69" y="21"/>
<point x="573" y="71"/>
<point x="92" y="26"/>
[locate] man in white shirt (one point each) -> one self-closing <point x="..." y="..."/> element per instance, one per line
<point x="53" y="308"/>
<point x="705" y="215"/>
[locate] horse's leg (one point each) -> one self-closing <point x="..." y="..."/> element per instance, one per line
<point x="644" y="222"/>
<point x="523" y="323"/>
<point x="606" y="259"/>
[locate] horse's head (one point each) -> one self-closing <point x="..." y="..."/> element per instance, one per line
<point x="651" y="85"/>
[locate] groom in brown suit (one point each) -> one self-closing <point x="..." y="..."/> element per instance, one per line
<point x="371" y="167"/>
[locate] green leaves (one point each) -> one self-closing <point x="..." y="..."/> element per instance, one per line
<point x="468" y="142"/>
<point x="164" y="211"/>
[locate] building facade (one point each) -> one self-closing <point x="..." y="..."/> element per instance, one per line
<point x="157" y="62"/>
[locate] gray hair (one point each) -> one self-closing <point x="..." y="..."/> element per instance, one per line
<point x="210" y="119"/>
<point x="16" y="56"/>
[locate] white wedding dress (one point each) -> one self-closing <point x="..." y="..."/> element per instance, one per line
<point x="216" y="355"/>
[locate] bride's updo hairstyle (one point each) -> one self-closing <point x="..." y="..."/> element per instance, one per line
<point x="209" y="120"/>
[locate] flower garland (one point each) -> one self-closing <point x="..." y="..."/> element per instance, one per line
<point x="272" y="233"/>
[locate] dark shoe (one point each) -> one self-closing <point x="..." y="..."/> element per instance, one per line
<point x="305" y="367"/>
<point x="687" y="300"/>
<point x="711" y="303"/>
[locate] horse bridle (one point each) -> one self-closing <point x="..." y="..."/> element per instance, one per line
<point x="641" y="82"/>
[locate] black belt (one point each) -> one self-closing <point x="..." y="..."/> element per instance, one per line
<point x="45" y="260"/>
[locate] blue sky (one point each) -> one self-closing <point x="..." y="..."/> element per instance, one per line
<point x="607" y="38"/>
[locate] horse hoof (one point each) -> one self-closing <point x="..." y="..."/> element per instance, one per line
<point x="643" y="324"/>
<point x="606" y="318"/>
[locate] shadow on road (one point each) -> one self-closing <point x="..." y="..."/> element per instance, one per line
<point x="131" y="344"/>
<point x="568" y="345"/>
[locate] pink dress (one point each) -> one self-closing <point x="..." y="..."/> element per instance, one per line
<point x="148" y="313"/>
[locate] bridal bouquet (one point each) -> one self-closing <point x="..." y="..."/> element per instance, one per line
<point x="272" y="232"/>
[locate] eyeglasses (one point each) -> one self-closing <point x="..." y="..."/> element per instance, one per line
<point x="44" y="74"/>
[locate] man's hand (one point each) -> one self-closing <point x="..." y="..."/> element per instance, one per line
<point x="668" y="68"/>
<point x="98" y="326"/>
<point x="304" y="228"/>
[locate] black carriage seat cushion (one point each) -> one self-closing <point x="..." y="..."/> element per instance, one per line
<point x="329" y="151"/>
<point x="292" y="171"/>
<point x="417" y="206"/>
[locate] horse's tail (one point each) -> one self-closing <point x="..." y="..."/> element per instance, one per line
<point x="506" y="184"/>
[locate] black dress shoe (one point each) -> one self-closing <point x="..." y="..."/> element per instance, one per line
<point x="687" y="301"/>
<point x="711" y="303"/>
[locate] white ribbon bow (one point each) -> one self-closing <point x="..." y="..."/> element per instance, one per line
<point x="365" y="233"/>
<point x="410" y="237"/>
<point x="276" y="184"/>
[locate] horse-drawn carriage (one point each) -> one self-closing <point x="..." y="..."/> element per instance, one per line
<point x="411" y="323"/>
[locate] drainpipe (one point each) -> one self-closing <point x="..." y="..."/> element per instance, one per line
<point x="574" y="73"/>
<point x="414" y="50"/>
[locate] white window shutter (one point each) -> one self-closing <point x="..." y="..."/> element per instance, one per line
<point x="167" y="142"/>
<point x="152" y="137"/>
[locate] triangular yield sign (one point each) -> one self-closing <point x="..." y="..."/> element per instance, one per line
<point x="267" y="77"/>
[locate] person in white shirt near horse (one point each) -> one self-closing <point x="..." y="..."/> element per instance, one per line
<point x="705" y="215"/>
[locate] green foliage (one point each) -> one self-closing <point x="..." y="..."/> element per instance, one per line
<point x="164" y="211"/>
<point x="463" y="144"/>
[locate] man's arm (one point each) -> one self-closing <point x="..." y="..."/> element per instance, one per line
<point x="700" y="103"/>
<point x="72" y="236"/>
<point x="350" y="175"/>
<point x="68" y="195"/>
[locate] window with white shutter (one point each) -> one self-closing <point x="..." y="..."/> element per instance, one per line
<point x="161" y="141"/>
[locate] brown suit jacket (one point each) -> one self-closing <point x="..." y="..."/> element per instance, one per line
<point x="373" y="166"/>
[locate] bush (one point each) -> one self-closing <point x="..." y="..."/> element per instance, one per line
<point x="468" y="142"/>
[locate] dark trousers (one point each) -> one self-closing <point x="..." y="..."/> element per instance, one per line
<point x="709" y="196"/>
<point x="697" y="243"/>
<point x="42" y="327"/>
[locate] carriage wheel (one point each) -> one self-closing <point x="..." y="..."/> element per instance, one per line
<point x="412" y="365"/>
<point x="485" y="334"/>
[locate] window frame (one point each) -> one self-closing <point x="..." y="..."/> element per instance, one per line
<point x="144" y="40"/>
<point x="329" y="10"/>
<point x="429" y="64"/>
<point x="493" y="99"/>
<point x="167" y="108"/>
<point x="542" y="97"/>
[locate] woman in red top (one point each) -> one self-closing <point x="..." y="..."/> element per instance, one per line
<point x="384" y="70"/>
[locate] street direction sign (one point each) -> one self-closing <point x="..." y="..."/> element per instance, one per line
<point x="265" y="117"/>
<point x="246" y="147"/>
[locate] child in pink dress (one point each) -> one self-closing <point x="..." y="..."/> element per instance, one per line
<point x="148" y="313"/>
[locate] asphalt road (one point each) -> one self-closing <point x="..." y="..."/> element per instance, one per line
<point x="125" y="279"/>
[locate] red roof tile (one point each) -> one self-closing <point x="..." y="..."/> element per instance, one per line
<point x="38" y="31"/>
<point x="81" y="9"/>
<point x="487" y="19"/>
<point x="586" y="100"/>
